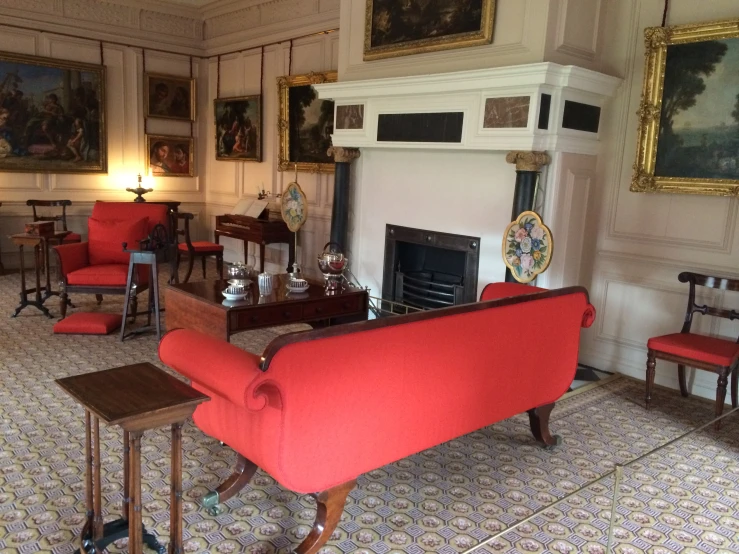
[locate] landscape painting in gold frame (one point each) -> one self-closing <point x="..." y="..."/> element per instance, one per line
<point x="394" y="28"/>
<point x="306" y="123"/>
<point x="689" y="113"/>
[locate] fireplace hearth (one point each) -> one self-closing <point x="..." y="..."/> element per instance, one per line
<point x="427" y="269"/>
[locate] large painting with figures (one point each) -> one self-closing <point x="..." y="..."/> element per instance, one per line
<point x="398" y="28"/>
<point x="52" y="115"/>
<point x="306" y="123"/>
<point x="239" y="128"/>
<point x="689" y="116"/>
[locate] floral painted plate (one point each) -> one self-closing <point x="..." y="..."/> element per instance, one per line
<point x="527" y="247"/>
<point x="294" y="207"/>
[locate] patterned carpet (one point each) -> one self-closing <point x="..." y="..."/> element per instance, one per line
<point x="449" y="499"/>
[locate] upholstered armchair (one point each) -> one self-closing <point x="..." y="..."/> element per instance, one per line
<point x="686" y="348"/>
<point x="100" y="266"/>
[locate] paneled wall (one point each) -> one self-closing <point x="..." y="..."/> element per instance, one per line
<point x="127" y="154"/>
<point x="638" y="243"/>
<point x="229" y="181"/>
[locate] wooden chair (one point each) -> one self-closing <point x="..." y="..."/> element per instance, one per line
<point x="199" y="248"/>
<point x="58" y="218"/>
<point x="714" y="354"/>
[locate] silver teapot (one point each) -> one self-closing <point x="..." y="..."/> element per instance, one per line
<point x="332" y="264"/>
<point x="239" y="274"/>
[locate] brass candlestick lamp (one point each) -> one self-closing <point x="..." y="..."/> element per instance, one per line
<point x="139" y="191"/>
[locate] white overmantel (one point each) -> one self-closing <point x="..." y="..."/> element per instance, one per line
<point x="467" y="92"/>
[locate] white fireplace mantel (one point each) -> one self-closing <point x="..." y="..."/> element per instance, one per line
<point x="467" y="92"/>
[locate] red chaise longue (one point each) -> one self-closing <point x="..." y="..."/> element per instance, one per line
<point x="319" y="408"/>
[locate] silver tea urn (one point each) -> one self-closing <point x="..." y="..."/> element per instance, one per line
<point x="332" y="263"/>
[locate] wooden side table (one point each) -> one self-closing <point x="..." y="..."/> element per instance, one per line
<point x="138" y="398"/>
<point x="40" y="247"/>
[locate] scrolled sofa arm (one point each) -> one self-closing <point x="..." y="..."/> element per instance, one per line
<point x="72" y="257"/>
<point x="214" y="364"/>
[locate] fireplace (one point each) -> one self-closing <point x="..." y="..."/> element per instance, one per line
<point x="428" y="269"/>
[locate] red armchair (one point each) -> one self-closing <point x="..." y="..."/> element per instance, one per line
<point x="699" y="351"/>
<point x="100" y="266"/>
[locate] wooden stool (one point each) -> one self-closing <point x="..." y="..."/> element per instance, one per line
<point x="138" y="398"/>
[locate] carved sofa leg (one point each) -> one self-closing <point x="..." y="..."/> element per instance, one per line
<point x="330" y="506"/>
<point x="245" y="470"/>
<point x="539" y="421"/>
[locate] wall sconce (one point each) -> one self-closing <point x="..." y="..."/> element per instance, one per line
<point x="139" y="191"/>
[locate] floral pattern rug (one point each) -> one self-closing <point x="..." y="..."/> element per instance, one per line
<point x="449" y="499"/>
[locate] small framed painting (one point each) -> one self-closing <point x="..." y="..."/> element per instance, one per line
<point x="169" y="97"/>
<point x="306" y="123"/>
<point x="394" y="28"/>
<point x="170" y="156"/>
<point x="239" y="128"/>
<point x="689" y="113"/>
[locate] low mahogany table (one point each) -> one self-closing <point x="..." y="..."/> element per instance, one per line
<point x="136" y="397"/>
<point x="40" y="247"/>
<point x="202" y="307"/>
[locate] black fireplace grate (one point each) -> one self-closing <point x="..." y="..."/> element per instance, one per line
<point x="427" y="289"/>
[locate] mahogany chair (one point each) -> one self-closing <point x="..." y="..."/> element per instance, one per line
<point x="59" y="219"/>
<point x="199" y="248"/>
<point x="714" y="354"/>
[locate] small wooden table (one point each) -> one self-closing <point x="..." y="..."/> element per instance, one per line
<point x="202" y="307"/>
<point x="40" y="247"/>
<point x="137" y="397"/>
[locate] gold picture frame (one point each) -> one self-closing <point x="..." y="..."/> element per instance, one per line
<point x="680" y="146"/>
<point x="53" y="115"/>
<point x="167" y="156"/>
<point x="460" y="32"/>
<point x="169" y="97"/>
<point x="304" y="142"/>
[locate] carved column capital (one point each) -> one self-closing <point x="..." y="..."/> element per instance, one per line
<point x="528" y="161"/>
<point x="342" y="154"/>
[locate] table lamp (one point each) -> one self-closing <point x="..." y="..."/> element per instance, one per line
<point x="139" y="191"/>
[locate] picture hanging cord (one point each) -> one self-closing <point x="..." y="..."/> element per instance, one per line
<point x="191" y="98"/>
<point x="218" y="77"/>
<point x="143" y="62"/>
<point x="102" y="55"/>
<point x="664" y="14"/>
<point x="290" y="59"/>
<point x="261" y="74"/>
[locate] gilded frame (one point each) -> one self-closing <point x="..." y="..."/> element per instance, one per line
<point x="167" y="113"/>
<point x="254" y="98"/>
<point x="284" y="84"/>
<point x="167" y="167"/>
<point x="448" y="42"/>
<point x="49" y="166"/>
<point x="657" y="41"/>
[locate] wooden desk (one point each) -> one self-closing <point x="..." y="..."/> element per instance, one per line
<point x="137" y="398"/>
<point x="40" y="247"/>
<point x="200" y="306"/>
<point x="260" y="231"/>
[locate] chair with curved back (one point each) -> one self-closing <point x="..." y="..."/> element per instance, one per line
<point x="199" y="248"/>
<point x="714" y="354"/>
<point x="59" y="218"/>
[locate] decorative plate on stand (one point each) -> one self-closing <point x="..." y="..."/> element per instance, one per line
<point x="527" y="247"/>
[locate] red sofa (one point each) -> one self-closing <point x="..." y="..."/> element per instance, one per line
<point x="426" y="378"/>
<point x="100" y="266"/>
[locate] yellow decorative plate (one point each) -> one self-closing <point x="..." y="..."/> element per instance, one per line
<point x="527" y="247"/>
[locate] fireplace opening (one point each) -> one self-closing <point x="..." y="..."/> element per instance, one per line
<point x="427" y="269"/>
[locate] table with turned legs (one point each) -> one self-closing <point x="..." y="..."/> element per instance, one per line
<point x="137" y="398"/>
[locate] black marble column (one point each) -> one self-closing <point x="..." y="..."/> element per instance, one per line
<point x="528" y="169"/>
<point x="343" y="158"/>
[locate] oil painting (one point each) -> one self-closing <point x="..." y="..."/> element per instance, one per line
<point x="689" y="128"/>
<point x="169" y="97"/>
<point x="239" y="128"/>
<point x="170" y="156"/>
<point x="306" y="123"/>
<point x="51" y="115"/>
<point x="398" y="28"/>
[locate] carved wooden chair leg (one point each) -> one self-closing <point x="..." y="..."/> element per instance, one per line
<point x="202" y="263"/>
<point x="245" y="470"/>
<point x="723" y="379"/>
<point x="99" y="298"/>
<point x="330" y="506"/>
<point x="735" y="387"/>
<point x="63" y="303"/>
<point x="681" y="379"/>
<point x="651" y="365"/>
<point x="539" y="422"/>
<point x="190" y="262"/>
